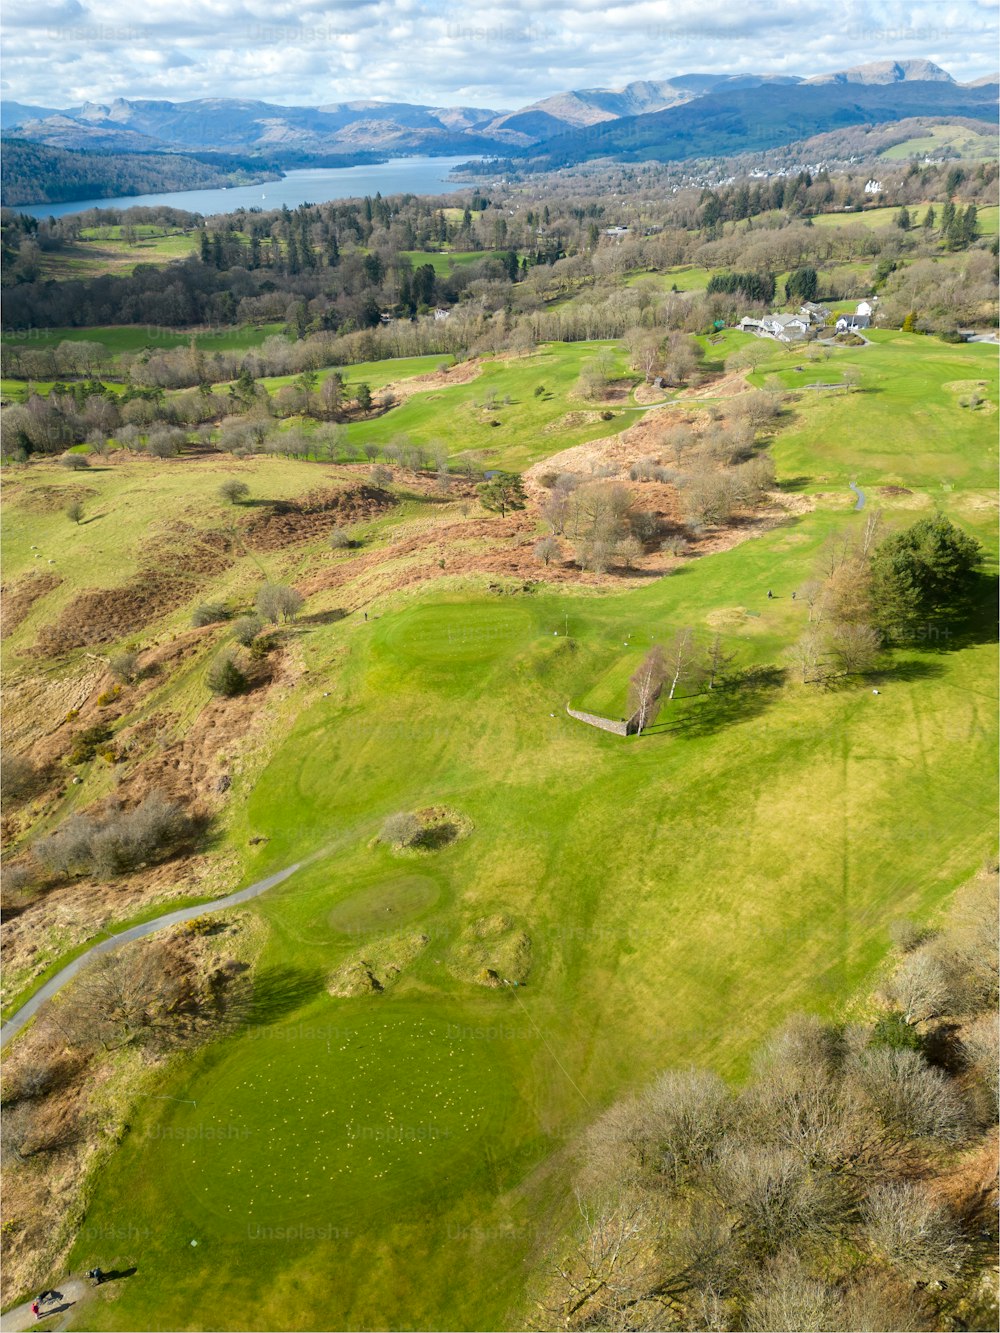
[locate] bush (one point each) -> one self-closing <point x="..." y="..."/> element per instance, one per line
<point x="246" y="629"/>
<point x="234" y="491"/>
<point x="125" y="667"/>
<point x="547" y="549"/>
<point x="118" y="842"/>
<point x="224" y="677"/>
<point x="401" y="830"/>
<point x="277" y="601"/>
<point x="340" y="539"/>
<point x="74" y="462"/>
<point x="892" y="1031"/>
<point x="108" y="696"/>
<point x="86" y="743"/>
<point x="380" y="476"/>
<point x="208" y="613"/>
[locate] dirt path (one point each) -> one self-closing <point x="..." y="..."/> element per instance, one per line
<point x="69" y="1293"/>
<point x="55" y="984"/>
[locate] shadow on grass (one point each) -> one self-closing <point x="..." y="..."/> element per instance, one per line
<point x="739" y="699"/>
<point x="323" y="617"/>
<point x="279" y="991"/>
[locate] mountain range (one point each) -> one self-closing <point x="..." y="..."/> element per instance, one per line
<point x="274" y="131"/>
<point x="51" y="154"/>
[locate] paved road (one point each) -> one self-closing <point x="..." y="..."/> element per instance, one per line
<point x="70" y="1292"/>
<point x="859" y="494"/>
<point x="112" y="942"/>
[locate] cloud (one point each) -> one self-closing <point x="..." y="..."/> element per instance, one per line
<point x="501" y="53"/>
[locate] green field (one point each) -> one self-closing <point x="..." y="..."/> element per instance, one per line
<point x="443" y="261"/>
<point x="385" y="1160"/>
<point x="685" y="278"/>
<point x="398" y="1160"/>
<point x="885" y="217"/>
<point x="969" y="143"/>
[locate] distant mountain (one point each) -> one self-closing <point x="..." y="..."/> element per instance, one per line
<point x="14" y="113"/>
<point x="293" y="132"/>
<point x="730" y="121"/>
<point x="888" y="71"/>
<point x="682" y="117"/>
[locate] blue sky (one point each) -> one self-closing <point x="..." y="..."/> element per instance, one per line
<point x="487" y="53"/>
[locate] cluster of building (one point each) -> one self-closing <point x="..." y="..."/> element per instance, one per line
<point x="792" y="328"/>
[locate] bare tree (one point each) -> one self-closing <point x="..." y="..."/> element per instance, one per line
<point x="808" y="656"/>
<point x="75" y="511"/>
<point x="911" y="1098"/>
<point x="920" y="987"/>
<point x="120" y="998"/>
<point x="547" y="549"/>
<point x="911" y="1231"/>
<point x="645" y="688"/>
<point x="680" y="659"/>
<point x="786" y="1298"/>
<point x="855" y="647"/>
<point x="278" y="601"/>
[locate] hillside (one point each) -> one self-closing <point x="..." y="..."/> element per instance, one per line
<point x="727" y="122"/>
<point x="36" y="173"/>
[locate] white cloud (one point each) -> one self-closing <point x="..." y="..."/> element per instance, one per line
<point x="503" y="54"/>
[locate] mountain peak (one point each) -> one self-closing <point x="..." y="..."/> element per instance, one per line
<point x="888" y="71"/>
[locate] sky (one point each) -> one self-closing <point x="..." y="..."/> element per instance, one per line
<point x="498" y="54"/>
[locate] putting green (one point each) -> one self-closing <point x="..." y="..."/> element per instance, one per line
<point x="385" y="906"/>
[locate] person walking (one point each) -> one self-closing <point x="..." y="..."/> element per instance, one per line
<point x="35" y="1310"/>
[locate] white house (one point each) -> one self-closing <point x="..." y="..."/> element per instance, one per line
<point x="867" y="307"/>
<point x="861" y="319"/>
<point x="440" y="313"/>
<point x="782" y="328"/>
<point x="873" y="187"/>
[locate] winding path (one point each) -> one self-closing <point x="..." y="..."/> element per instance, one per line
<point x="860" y="494"/>
<point x="55" y="984"/>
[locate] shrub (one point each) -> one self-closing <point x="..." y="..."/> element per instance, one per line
<point x="401" y="830"/>
<point x="118" y="842"/>
<point x="86" y="743"/>
<point x="108" y="696"/>
<point x="125" y="667"/>
<point x="380" y="476"/>
<point x="74" y="462"/>
<point x="277" y="601"/>
<point x="208" y="613"/>
<point x="246" y="629"/>
<point x="340" y="539"/>
<point x="234" y="491"/>
<point x="224" y="677"/>
<point x="547" y="549"/>
<point x="74" y="511"/>
<point x="892" y="1030"/>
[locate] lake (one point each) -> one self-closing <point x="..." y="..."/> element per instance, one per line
<point x="312" y="185"/>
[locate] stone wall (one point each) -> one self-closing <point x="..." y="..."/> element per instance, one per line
<point x="628" y="728"/>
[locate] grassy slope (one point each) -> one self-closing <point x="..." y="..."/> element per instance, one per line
<point x="682" y="892"/>
<point x="118" y="338"/>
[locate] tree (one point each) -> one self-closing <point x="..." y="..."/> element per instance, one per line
<point x="363" y="395"/>
<point x="209" y="613"/>
<point x="121" y="998"/>
<point x="504" y="490"/>
<point x="802" y="285"/>
<point x="927" y="569"/>
<point x="278" y="601"/>
<point x="340" y="539"/>
<point x="380" y="476"/>
<point x="855" y="647"/>
<point x="630" y="549"/>
<point x="911" y="1231"/>
<point x="547" y="549"/>
<point x="224" y="677"/>
<point x="74" y="462"/>
<point x="234" y="491"/>
<point x="645" y="688"/>
<point x="74" y="511"/>
<point x="717" y="660"/>
<point x="680" y="659"/>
